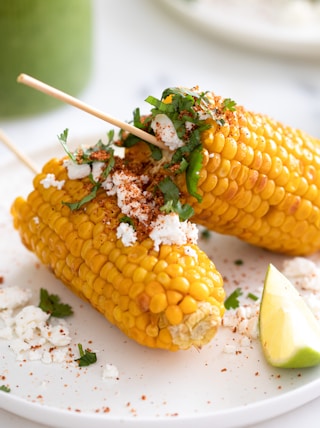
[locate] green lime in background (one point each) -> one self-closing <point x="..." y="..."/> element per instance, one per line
<point x="49" y="39"/>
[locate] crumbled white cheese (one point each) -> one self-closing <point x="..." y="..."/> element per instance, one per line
<point x="97" y="168"/>
<point x="127" y="234"/>
<point x="77" y="171"/>
<point x="36" y="220"/>
<point x="132" y="200"/>
<point x="229" y="349"/>
<point x="168" y="229"/>
<point x="189" y="251"/>
<point x="164" y="130"/>
<point x="50" y="181"/>
<point x="28" y="320"/>
<point x="110" y="372"/>
<point x="32" y="333"/>
<point x="14" y="297"/>
<point x="108" y="186"/>
<point x="144" y="179"/>
<point x="243" y="320"/>
<point x="304" y="273"/>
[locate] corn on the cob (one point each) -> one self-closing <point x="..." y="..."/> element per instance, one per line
<point x="256" y="179"/>
<point x="170" y="297"/>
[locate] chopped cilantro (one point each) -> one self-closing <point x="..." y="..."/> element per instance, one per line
<point x="86" y="357"/>
<point x="253" y="297"/>
<point x="238" y="262"/>
<point x="233" y="300"/>
<point x="50" y="303"/>
<point x="88" y="156"/>
<point x="205" y="234"/>
<point x="128" y="220"/>
<point x="170" y="190"/>
<point x="76" y="205"/>
<point x="171" y="200"/>
<point x="131" y="139"/>
<point x="5" y="388"/>
<point x="63" y="140"/>
<point x="229" y="104"/>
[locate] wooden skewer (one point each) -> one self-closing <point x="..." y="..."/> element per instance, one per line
<point x="62" y="96"/>
<point x="17" y="152"/>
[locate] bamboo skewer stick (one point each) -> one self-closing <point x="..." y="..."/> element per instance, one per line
<point x="17" y="152"/>
<point x="62" y="96"/>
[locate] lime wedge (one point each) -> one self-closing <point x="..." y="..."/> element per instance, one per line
<point x="289" y="332"/>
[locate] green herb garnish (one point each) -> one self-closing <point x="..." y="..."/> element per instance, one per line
<point x="171" y="200"/>
<point x="63" y="137"/>
<point x="76" y="205"/>
<point x="86" y="357"/>
<point x="89" y="156"/>
<point x="229" y="104"/>
<point x="131" y="140"/>
<point x="205" y="234"/>
<point x="233" y="300"/>
<point x="5" y="388"/>
<point x="50" y="303"/>
<point x="252" y="297"/>
<point x="238" y="262"/>
<point x="128" y="220"/>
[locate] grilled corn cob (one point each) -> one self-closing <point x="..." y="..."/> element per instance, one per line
<point x="244" y="174"/>
<point x="161" y="294"/>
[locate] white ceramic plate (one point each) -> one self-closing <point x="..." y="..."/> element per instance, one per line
<point x="251" y="24"/>
<point x="185" y="389"/>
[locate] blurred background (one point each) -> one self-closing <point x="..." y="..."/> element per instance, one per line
<point x="268" y="64"/>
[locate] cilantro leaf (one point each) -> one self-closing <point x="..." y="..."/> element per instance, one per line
<point x="128" y="220"/>
<point x="171" y="200"/>
<point x="50" y="303"/>
<point x="185" y="211"/>
<point x="5" y="388"/>
<point x="76" y="205"/>
<point x="170" y="190"/>
<point x="205" y="234"/>
<point x="252" y="297"/>
<point x="63" y="140"/>
<point x="233" y="300"/>
<point x="229" y="104"/>
<point x="86" y="357"/>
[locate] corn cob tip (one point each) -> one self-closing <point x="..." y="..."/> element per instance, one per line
<point x="105" y="234"/>
<point x="244" y="174"/>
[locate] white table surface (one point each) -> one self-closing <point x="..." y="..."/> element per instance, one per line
<point x="139" y="51"/>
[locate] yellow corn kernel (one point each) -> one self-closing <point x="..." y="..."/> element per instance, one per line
<point x="180" y="284"/>
<point x="158" y="303"/>
<point x="258" y="171"/>
<point x="199" y="290"/>
<point x="144" y="292"/>
<point x="164" y="279"/>
<point x="188" y="305"/>
<point x="174" y="297"/>
<point x="174" y="314"/>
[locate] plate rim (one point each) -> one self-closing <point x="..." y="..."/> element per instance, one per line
<point x="256" y="412"/>
<point x="288" y="42"/>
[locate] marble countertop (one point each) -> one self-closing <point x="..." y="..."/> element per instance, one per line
<point x="140" y="49"/>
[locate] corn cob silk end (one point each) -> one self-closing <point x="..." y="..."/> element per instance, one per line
<point x="97" y="221"/>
